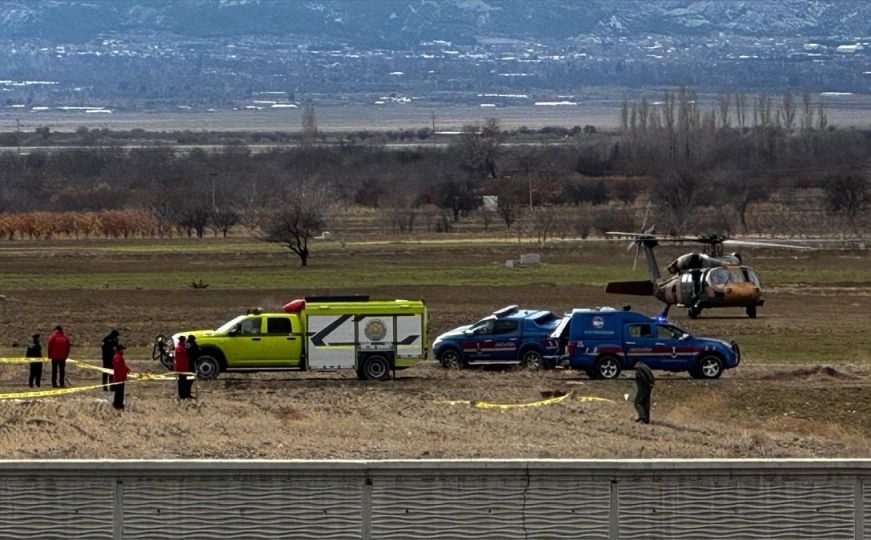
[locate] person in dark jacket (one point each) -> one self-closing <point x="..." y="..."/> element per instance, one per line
<point x="644" y="381"/>
<point x="180" y="357"/>
<point x="58" y="352"/>
<point x="34" y="350"/>
<point x="193" y="349"/>
<point x="119" y="376"/>
<point x="107" y="351"/>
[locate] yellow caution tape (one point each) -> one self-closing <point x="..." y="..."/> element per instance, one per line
<point x="138" y="377"/>
<point x="46" y="393"/>
<point x="21" y="360"/>
<point x="540" y="403"/>
<point x="593" y="398"/>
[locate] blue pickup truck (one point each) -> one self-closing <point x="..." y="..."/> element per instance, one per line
<point x="604" y="341"/>
<point x="510" y="336"/>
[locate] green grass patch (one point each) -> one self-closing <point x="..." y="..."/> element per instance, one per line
<point x="471" y="275"/>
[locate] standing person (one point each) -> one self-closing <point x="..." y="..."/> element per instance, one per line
<point x="34" y="350"/>
<point x="644" y="381"/>
<point x="119" y="376"/>
<point x="180" y="356"/>
<point x="58" y="352"/>
<point x="107" y="350"/>
<point x="193" y="349"/>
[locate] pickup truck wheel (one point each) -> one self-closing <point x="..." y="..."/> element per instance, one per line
<point x="710" y="366"/>
<point x="376" y="368"/>
<point x="532" y="360"/>
<point x="207" y="367"/>
<point x="452" y="359"/>
<point x="607" y="367"/>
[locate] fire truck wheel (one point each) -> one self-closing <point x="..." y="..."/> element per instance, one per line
<point x="208" y="367"/>
<point x="607" y="367"/>
<point x="710" y="366"/>
<point x="452" y="359"/>
<point x="376" y="368"/>
<point x="532" y="360"/>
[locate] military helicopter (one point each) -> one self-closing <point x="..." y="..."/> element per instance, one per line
<point x="699" y="280"/>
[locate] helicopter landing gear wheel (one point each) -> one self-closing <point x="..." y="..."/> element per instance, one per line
<point x="751" y="312"/>
<point x="694" y="312"/>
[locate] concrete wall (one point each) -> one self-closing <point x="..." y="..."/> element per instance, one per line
<point x="475" y="499"/>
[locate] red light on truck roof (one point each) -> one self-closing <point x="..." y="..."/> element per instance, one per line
<point x="294" y="306"/>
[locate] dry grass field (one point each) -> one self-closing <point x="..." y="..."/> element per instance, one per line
<point x="803" y="388"/>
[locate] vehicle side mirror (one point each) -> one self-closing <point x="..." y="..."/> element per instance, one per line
<point x="684" y="336"/>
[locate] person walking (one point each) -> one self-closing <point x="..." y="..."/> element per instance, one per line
<point x="180" y="356"/>
<point x="107" y="351"/>
<point x="644" y="381"/>
<point x="58" y="352"/>
<point x="119" y="376"/>
<point x="34" y="350"/>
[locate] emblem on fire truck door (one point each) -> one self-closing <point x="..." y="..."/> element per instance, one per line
<point x="375" y="330"/>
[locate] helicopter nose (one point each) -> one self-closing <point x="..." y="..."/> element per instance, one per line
<point x="742" y="291"/>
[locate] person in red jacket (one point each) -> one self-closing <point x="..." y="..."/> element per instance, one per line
<point x="119" y="376"/>
<point x="58" y="352"/>
<point x="182" y="365"/>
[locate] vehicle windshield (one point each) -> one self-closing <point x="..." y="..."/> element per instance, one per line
<point x="667" y="331"/>
<point x="227" y="326"/>
<point x="483" y="326"/>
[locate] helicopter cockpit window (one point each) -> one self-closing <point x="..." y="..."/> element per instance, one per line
<point x="737" y="275"/>
<point x="751" y="276"/>
<point x="718" y="276"/>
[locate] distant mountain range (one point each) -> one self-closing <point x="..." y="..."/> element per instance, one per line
<point x="404" y="23"/>
<point x="202" y="53"/>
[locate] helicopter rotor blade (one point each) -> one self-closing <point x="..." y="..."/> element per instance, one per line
<point x="764" y="244"/>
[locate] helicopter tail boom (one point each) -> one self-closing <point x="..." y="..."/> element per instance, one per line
<point x="637" y="288"/>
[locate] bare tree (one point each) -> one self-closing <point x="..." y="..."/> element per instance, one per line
<point x="677" y="195"/>
<point x="224" y="219"/>
<point x="807" y="117"/>
<point x="788" y="107"/>
<point x="724" y="103"/>
<point x="478" y="148"/>
<point x="309" y="125"/>
<point x="297" y="218"/>
<point x="848" y="195"/>
<point x="738" y="190"/>
<point x="741" y="109"/>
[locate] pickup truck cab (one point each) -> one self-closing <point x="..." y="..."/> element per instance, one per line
<point x="325" y="333"/>
<point x="509" y="336"/>
<point x="604" y="341"/>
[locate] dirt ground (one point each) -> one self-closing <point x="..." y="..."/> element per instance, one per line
<point x="803" y="388"/>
